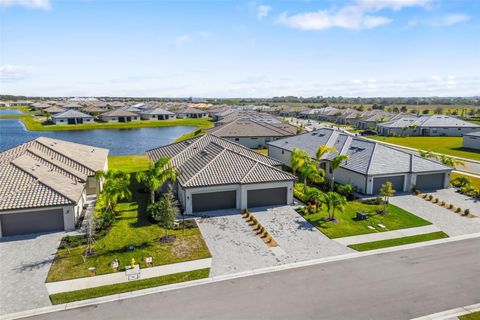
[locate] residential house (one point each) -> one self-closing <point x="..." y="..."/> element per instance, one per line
<point x="72" y="117"/>
<point x="370" y="164"/>
<point x="44" y="184"/>
<point x="250" y="133"/>
<point x="157" y="114"/>
<point x="119" y="115"/>
<point x="93" y="110"/>
<point x="72" y="106"/>
<point x="54" y="110"/>
<point x="427" y="125"/>
<point x="471" y="140"/>
<point x="217" y="174"/>
<point x="191" y="112"/>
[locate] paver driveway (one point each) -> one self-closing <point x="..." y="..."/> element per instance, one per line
<point x="458" y="200"/>
<point x="25" y="261"/>
<point x="235" y="247"/>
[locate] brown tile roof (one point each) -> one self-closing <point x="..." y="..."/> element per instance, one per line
<point x="209" y="160"/>
<point x="118" y="113"/>
<point x="46" y="172"/>
<point x="249" y="128"/>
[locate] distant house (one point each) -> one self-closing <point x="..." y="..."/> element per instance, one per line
<point x="217" y="174"/>
<point x="44" y="185"/>
<point x="250" y="133"/>
<point x="54" y="110"/>
<point x="73" y="106"/>
<point x="72" y="117"/>
<point x="471" y="140"/>
<point x="157" y="114"/>
<point x="427" y="125"/>
<point x="119" y="115"/>
<point x="191" y="112"/>
<point x="93" y="110"/>
<point x="370" y="164"/>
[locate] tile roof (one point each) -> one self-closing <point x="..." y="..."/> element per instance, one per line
<point x="365" y="156"/>
<point x="473" y="134"/>
<point x="157" y="111"/>
<point x="46" y="172"/>
<point x="429" y="121"/>
<point x="55" y="109"/>
<point x="209" y="160"/>
<point x="249" y="128"/>
<point x="192" y="110"/>
<point x="71" y="114"/>
<point x="118" y="113"/>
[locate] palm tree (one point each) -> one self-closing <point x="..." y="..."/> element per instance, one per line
<point x="314" y="196"/>
<point x="116" y="186"/>
<point x="335" y="164"/>
<point x="334" y="202"/>
<point x="323" y="150"/>
<point x="311" y="172"/>
<point x="298" y="158"/>
<point x="452" y="162"/>
<point x="426" y="154"/>
<point x="156" y="175"/>
<point x="462" y="181"/>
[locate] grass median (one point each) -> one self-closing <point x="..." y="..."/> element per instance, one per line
<point x="102" y="291"/>
<point x="398" y="241"/>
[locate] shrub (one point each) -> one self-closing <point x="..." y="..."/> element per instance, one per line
<point x="345" y="190"/>
<point x="466" y="212"/>
<point x="378" y="200"/>
<point x="459" y="210"/>
<point x="415" y="190"/>
<point x="424" y="196"/>
<point x="443" y="203"/>
<point x="430" y="197"/>
<point x="450" y="206"/>
<point x="435" y="200"/>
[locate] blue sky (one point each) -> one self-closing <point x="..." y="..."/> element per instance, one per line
<point x="240" y="49"/>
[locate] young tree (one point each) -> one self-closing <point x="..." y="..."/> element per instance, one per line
<point x="386" y="191"/>
<point x="116" y="187"/>
<point x="156" y="175"/>
<point x="311" y="172"/>
<point x="297" y="159"/>
<point x="334" y="202"/>
<point x="335" y="164"/>
<point x="164" y="211"/>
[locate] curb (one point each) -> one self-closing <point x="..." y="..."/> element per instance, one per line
<point x="176" y="286"/>
<point x="451" y="313"/>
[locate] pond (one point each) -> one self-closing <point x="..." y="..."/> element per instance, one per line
<point x="10" y="111"/>
<point x="119" y="141"/>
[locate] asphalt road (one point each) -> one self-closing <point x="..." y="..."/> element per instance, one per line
<point x="397" y="285"/>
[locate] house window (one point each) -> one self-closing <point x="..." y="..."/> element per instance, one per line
<point x="283" y="151"/>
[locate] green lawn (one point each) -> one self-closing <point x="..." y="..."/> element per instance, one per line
<point x="447" y="145"/>
<point x="131" y="163"/>
<point x="347" y="225"/>
<point x="470" y="316"/>
<point x="398" y="241"/>
<point x="262" y="151"/>
<point x="65" y="297"/>
<point x="475" y="181"/>
<point x="131" y="228"/>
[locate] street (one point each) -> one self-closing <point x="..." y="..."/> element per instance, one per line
<point x="397" y="285"/>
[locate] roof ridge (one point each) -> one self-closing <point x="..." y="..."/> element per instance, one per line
<point x="48" y="147"/>
<point x="205" y="166"/>
<point x="371" y="158"/>
<point x="42" y="155"/>
<point x="249" y="171"/>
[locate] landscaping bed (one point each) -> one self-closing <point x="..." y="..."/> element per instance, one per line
<point x="132" y="235"/>
<point x="66" y="297"/>
<point x="398" y="241"/>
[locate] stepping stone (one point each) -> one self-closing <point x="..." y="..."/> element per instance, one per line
<point x="371" y="228"/>
<point x="382" y="226"/>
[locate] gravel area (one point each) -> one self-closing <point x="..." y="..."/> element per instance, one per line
<point x="25" y="264"/>
<point x="235" y="247"/>
<point x="451" y="223"/>
<point x="458" y="200"/>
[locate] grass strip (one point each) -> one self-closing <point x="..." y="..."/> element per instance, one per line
<point x="398" y="241"/>
<point x="71" y="296"/>
<point x="470" y="316"/>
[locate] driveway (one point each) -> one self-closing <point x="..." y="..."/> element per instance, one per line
<point x="458" y="200"/>
<point x="23" y="269"/>
<point x="235" y="247"/>
<point x="451" y="223"/>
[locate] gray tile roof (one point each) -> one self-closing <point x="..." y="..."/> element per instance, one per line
<point x="157" y="111"/>
<point x="429" y="121"/>
<point x="46" y="172"/>
<point x="473" y="134"/>
<point x="209" y="160"/>
<point x="55" y="109"/>
<point x="71" y="114"/>
<point x="118" y="113"/>
<point x="366" y="157"/>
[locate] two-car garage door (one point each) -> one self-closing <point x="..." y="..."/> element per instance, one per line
<point x="432" y="181"/>
<point x="266" y="197"/>
<point x="32" y="222"/>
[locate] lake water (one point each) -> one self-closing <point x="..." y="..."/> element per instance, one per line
<point x="119" y="141"/>
<point x="10" y="111"/>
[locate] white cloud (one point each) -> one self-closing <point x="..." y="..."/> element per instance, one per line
<point x="454" y="18"/>
<point x="263" y="11"/>
<point x="35" y="4"/>
<point x="357" y="15"/>
<point x="181" y="40"/>
<point x="10" y="72"/>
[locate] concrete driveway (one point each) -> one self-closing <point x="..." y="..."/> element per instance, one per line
<point x="24" y="267"/>
<point x="235" y="247"/>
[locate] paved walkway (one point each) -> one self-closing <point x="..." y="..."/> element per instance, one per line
<point x="449" y="222"/>
<point x="25" y="262"/>
<point x="387" y="235"/>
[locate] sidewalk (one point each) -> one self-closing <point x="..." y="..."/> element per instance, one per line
<point x="387" y="235"/>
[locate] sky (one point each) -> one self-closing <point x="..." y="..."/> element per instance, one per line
<point x="153" y="48"/>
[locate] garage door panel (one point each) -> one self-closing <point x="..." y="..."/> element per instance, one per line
<point x="32" y="222"/>
<point x="430" y="181"/>
<point x="267" y="197"/>
<point x="397" y="181"/>
<point x="214" y="201"/>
